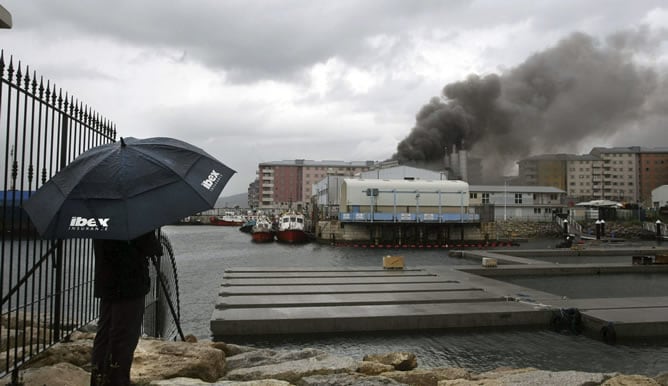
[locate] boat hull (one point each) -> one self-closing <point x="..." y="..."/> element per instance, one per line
<point x="292" y="236"/>
<point x="262" y="237"/>
<point x="225" y="223"/>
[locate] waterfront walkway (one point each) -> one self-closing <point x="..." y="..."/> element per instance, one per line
<point x="256" y="301"/>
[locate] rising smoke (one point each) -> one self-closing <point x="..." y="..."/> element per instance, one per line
<point x="580" y="89"/>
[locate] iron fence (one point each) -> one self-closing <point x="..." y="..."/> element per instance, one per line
<point x="46" y="287"/>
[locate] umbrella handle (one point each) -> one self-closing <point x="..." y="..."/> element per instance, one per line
<point x="169" y="300"/>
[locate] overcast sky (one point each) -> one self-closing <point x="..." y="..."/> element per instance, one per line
<point x="255" y="81"/>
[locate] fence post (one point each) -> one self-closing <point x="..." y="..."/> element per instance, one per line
<point x="58" y="266"/>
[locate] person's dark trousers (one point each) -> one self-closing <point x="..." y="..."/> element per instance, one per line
<point x="118" y="331"/>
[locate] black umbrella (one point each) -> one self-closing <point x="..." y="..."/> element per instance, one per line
<point x="125" y="189"/>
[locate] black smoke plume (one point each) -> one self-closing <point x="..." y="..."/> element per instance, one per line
<point x="572" y="94"/>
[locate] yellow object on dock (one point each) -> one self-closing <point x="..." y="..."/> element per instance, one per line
<point x="393" y="262"/>
<point x="489" y="262"/>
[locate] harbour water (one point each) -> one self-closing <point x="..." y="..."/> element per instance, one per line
<point x="204" y="252"/>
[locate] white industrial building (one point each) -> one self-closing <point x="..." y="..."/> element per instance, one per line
<point x="510" y="202"/>
<point x="660" y="196"/>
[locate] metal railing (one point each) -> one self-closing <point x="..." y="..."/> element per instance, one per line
<point x="46" y="287"/>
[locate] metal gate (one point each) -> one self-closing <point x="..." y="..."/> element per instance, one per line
<point x="47" y="286"/>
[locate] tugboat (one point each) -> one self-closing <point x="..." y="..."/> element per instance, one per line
<point x="228" y="219"/>
<point x="291" y="228"/>
<point x="262" y="231"/>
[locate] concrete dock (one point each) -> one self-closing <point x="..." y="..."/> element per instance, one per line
<point x="258" y="301"/>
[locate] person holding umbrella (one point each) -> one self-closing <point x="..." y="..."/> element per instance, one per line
<point x="121" y="282"/>
<point x="118" y="194"/>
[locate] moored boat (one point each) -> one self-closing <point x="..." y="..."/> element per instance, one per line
<point x="262" y="231"/>
<point x="247" y="227"/>
<point x="291" y="228"/>
<point x="228" y="219"/>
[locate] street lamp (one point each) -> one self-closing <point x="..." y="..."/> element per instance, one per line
<point x="505" y="198"/>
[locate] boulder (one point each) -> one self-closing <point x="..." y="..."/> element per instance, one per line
<point x="156" y="359"/>
<point x="662" y="379"/>
<point x="373" y="368"/>
<point x="346" y="380"/>
<point x="61" y="374"/>
<point x="231" y="349"/>
<point x="401" y="361"/>
<point x="430" y="377"/>
<point x="530" y="377"/>
<point x="294" y="370"/>
<point x="76" y="352"/>
<point x="9" y="338"/>
<point x="261" y="357"/>
<point x="197" y="382"/>
<point x="630" y="380"/>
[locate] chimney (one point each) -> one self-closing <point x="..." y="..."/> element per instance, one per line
<point x="463" y="163"/>
<point x="446" y="159"/>
<point x="454" y="163"/>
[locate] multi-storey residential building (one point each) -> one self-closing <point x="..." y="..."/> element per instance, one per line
<point x="289" y="184"/>
<point x="254" y="194"/>
<point x="544" y="170"/>
<point x="653" y="171"/>
<point x="619" y="173"/>
<point x="625" y="174"/>
<point x="584" y="180"/>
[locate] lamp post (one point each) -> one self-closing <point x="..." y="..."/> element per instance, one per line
<point x="505" y="198"/>
<point x="598" y="229"/>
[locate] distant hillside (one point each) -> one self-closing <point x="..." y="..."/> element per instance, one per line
<point x="240" y="200"/>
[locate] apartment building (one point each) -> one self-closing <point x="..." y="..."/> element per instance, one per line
<point x="625" y="174"/>
<point x="619" y="173"/>
<point x="289" y="184"/>
<point x="545" y="170"/>
<point x="584" y="176"/>
<point x="653" y="171"/>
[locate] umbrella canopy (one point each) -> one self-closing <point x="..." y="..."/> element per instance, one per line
<point x="125" y="189"/>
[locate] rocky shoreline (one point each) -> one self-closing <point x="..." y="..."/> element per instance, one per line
<point x="169" y="363"/>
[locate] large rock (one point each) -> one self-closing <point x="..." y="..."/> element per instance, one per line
<point x="373" y="368"/>
<point x="662" y="379"/>
<point x="401" y="361"/>
<point x="9" y="338"/>
<point x="294" y="370"/>
<point x="199" y="382"/>
<point x="429" y="377"/>
<point x="346" y="380"/>
<point x="231" y="349"/>
<point x="61" y="374"/>
<point x="530" y="377"/>
<point x="76" y="352"/>
<point x="630" y="380"/>
<point x="156" y="359"/>
<point x="261" y="357"/>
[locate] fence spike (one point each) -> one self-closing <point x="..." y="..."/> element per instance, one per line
<point x="34" y="83"/>
<point x="19" y="75"/>
<point x="41" y="87"/>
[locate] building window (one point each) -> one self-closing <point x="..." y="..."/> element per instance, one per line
<point x="518" y="198"/>
<point x="485" y="198"/>
<point x="473" y="195"/>
<point x="536" y="210"/>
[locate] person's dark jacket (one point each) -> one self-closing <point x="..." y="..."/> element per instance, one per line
<point x="121" y="267"/>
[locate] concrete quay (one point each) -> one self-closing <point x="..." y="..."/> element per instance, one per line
<point x="259" y="301"/>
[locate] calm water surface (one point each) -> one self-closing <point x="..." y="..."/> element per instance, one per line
<point x="204" y="252"/>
